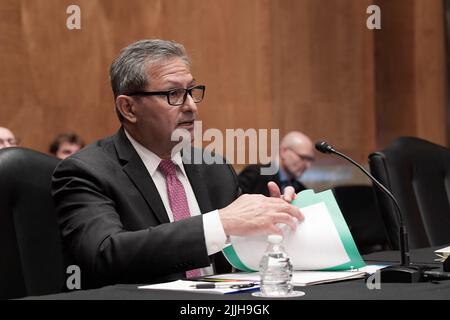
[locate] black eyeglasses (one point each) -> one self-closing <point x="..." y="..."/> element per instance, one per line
<point x="303" y="157"/>
<point x="176" y="97"/>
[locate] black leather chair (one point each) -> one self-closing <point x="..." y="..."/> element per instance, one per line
<point x="417" y="172"/>
<point x="357" y="203"/>
<point x="31" y="260"/>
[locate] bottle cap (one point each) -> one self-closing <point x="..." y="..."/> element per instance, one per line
<point x="274" y="238"/>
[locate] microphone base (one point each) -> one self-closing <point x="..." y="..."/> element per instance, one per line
<point x="403" y="274"/>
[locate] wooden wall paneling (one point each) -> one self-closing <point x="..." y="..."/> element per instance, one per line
<point x="432" y="76"/>
<point x="323" y="72"/>
<point x="307" y="65"/>
<point x="229" y="48"/>
<point x="66" y="79"/>
<point x="410" y="71"/>
<point x="12" y="68"/>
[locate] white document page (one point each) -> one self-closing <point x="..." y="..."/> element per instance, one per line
<point x="314" y="245"/>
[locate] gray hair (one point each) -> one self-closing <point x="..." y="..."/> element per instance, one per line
<point x="128" y="71"/>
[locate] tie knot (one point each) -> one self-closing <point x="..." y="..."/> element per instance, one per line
<point x="167" y="167"/>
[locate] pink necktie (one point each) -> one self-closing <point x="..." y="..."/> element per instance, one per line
<point x="177" y="199"/>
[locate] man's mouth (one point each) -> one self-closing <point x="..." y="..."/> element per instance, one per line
<point x="188" y="123"/>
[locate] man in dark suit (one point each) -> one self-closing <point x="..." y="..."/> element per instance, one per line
<point x="133" y="210"/>
<point x="296" y="156"/>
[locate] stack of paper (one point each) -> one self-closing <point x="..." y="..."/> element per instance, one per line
<point x="442" y="254"/>
<point x="186" y="285"/>
<point x="299" y="278"/>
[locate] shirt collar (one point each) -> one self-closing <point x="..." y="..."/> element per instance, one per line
<point x="150" y="159"/>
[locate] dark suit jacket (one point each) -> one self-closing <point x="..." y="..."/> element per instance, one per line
<point x="114" y="224"/>
<point x="251" y="180"/>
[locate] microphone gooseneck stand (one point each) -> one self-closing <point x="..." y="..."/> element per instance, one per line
<point x="405" y="272"/>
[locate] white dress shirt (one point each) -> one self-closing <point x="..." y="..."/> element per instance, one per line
<point x="215" y="237"/>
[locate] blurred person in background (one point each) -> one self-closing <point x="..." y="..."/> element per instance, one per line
<point x="296" y="156"/>
<point x="7" y="138"/>
<point x="66" y="144"/>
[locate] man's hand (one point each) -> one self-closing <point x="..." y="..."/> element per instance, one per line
<point x="253" y="214"/>
<point x="274" y="191"/>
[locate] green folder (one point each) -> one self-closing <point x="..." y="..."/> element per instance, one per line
<point x="306" y="199"/>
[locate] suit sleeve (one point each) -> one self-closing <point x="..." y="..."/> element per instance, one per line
<point x="106" y="252"/>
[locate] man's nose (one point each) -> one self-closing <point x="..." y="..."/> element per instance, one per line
<point x="189" y="105"/>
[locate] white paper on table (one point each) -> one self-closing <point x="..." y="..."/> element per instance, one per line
<point x="443" y="250"/>
<point x="186" y="285"/>
<point x="442" y="254"/>
<point x="299" y="278"/>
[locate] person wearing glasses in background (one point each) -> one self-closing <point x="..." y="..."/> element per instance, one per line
<point x="133" y="210"/>
<point x="295" y="157"/>
<point x="7" y="138"/>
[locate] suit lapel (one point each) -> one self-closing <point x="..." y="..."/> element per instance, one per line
<point x="197" y="180"/>
<point x="138" y="174"/>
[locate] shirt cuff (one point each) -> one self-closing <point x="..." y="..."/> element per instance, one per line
<point x="215" y="237"/>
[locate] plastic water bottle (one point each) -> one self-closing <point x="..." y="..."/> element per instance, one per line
<point x="275" y="269"/>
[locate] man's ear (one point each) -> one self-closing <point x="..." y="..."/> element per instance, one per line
<point x="126" y="107"/>
<point x="282" y="152"/>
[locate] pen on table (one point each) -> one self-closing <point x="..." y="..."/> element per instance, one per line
<point x="223" y="285"/>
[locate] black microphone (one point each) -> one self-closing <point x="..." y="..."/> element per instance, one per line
<point x="405" y="272"/>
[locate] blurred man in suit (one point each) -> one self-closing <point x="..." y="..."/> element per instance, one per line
<point x="7" y="138"/>
<point x="66" y="144"/>
<point x="132" y="210"/>
<point x="296" y="156"/>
